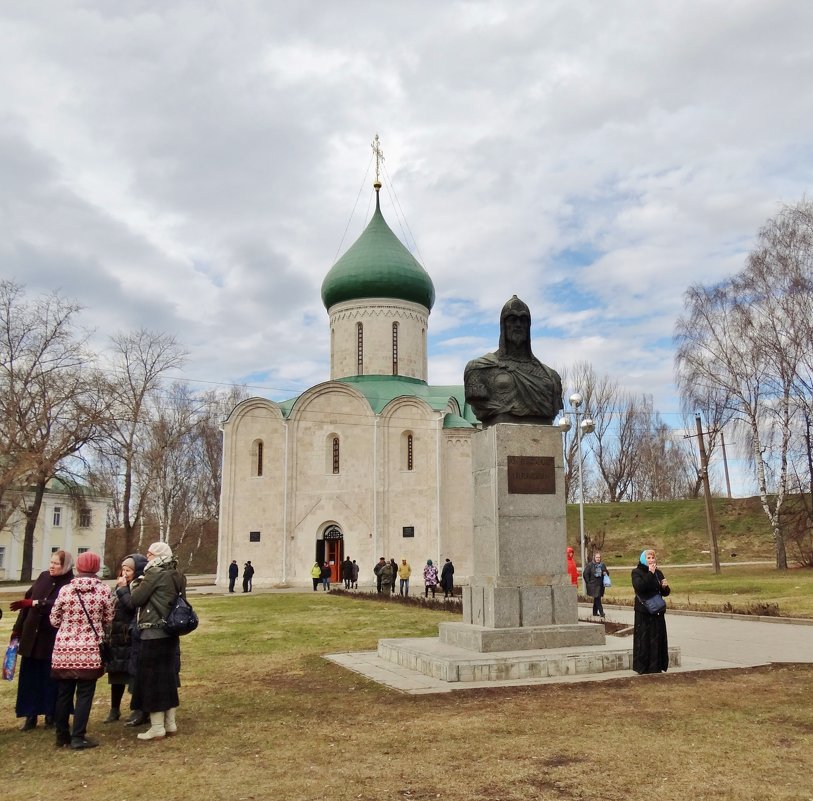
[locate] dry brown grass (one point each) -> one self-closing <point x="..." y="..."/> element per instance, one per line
<point x="265" y="717"/>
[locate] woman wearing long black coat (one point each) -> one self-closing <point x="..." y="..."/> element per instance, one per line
<point x="650" y="647"/>
<point x="119" y="674"/>
<point x="36" y="690"/>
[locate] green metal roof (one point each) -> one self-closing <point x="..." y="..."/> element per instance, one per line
<point x="377" y="265"/>
<point x="381" y="389"/>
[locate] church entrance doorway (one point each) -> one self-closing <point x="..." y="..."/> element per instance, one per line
<point x="330" y="549"/>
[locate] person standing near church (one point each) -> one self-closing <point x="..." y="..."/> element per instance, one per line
<point x="430" y="578"/>
<point x="347" y="573"/>
<point x="377" y="570"/>
<point x="386" y="576"/>
<point x="447" y="579"/>
<point x="404" y="572"/>
<point x="355" y="575"/>
<point x="234" y="571"/>
<point x="394" y="566"/>
<point x="248" y="575"/>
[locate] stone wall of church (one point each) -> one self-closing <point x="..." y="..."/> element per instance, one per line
<point x="457" y="500"/>
<point x="319" y="497"/>
<point x="252" y="499"/>
<point x="372" y="498"/>
<point x="376" y="318"/>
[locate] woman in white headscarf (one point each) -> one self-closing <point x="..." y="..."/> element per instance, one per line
<point x="36" y="689"/>
<point x="158" y="661"/>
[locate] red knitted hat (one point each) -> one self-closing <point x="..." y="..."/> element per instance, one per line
<point x="88" y="563"/>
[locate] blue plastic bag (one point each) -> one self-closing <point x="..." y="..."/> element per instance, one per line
<point x="10" y="660"/>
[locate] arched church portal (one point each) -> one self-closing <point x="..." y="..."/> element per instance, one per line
<point x="330" y="549"/>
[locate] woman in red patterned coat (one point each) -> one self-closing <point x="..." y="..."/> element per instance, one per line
<point x="82" y="610"/>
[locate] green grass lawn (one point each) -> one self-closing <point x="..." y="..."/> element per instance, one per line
<point x="264" y="716"/>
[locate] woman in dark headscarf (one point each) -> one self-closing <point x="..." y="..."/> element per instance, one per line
<point x="650" y="648"/>
<point x="36" y="690"/>
<point x="118" y="673"/>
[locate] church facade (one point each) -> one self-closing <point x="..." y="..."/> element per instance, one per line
<point x="373" y="462"/>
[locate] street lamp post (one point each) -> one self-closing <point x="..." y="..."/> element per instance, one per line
<point x="586" y="426"/>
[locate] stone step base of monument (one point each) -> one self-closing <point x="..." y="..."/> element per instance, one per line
<point x="432" y="657"/>
<point x="525" y="638"/>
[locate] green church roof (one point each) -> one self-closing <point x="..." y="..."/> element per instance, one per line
<point x="379" y="390"/>
<point x="377" y="265"/>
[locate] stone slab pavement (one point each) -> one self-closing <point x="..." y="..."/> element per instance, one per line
<point x="707" y="642"/>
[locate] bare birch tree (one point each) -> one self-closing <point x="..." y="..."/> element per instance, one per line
<point x="749" y="338"/>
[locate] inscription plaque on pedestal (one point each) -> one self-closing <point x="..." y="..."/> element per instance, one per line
<point x="531" y="475"/>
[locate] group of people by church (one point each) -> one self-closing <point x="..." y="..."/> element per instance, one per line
<point x="388" y="574"/>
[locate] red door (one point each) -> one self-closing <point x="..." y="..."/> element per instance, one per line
<point x="334" y="554"/>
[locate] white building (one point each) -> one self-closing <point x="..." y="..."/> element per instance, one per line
<point x="65" y="522"/>
<point x="375" y="461"/>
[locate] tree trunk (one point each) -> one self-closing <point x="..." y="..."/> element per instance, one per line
<point x="30" y="524"/>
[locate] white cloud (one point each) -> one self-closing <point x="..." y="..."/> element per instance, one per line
<point x="192" y="167"/>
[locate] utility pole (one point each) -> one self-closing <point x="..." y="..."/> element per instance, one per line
<point x="704" y="474"/>
<point x="725" y="463"/>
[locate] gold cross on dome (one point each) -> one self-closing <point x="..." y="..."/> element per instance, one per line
<point x="379" y="158"/>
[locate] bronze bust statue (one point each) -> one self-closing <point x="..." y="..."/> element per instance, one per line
<point x="511" y="385"/>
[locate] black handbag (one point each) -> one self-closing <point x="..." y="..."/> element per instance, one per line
<point x="181" y="618"/>
<point x="654" y="605"/>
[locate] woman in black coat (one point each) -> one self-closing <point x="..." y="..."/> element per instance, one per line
<point x="119" y="675"/>
<point x="593" y="576"/>
<point x="447" y="579"/>
<point x="650" y="648"/>
<point x="36" y="690"/>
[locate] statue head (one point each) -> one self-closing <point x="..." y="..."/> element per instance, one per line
<point x="515" y="328"/>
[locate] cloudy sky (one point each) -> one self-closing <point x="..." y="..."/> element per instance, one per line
<point x="192" y="167"/>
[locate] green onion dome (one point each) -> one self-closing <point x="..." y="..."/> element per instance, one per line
<point x="377" y="265"/>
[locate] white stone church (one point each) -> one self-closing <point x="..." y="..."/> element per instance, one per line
<point x="375" y="461"/>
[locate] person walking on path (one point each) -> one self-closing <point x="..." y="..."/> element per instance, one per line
<point x="157" y="679"/>
<point x="118" y="668"/>
<point x="347" y="573"/>
<point x="572" y="570"/>
<point x="316" y="575"/>
<point x="430" y="578"/>
<point x="404" y="572"/>
<point x="248" y="575"/>
<point x="593" y="576"/>
<point x="234" y="571"/>
<point x="447" y="578"/>
<point x="80" y="613"/>
<point x="650" y="648"/>
<point x="355" y="575"/>
<point x="36" y="689"/>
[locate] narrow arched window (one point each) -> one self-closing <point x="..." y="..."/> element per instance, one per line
<point x="395" y="348"/>
<point x="359" y="349"/>
<point x="336" y="463"/>
<point x="257" y="458"/>
<point x="407" y="451"/>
